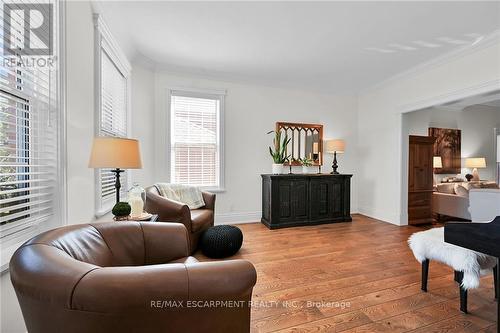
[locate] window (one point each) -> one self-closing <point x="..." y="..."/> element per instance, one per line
<point x="196" y="152"/>
<point x="112" y="108"/>
<point x="113" y="122"/>
<point x="30" y="182"/>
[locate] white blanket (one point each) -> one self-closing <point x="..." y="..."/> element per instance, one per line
<point x="188" y="195"/>
<point x="430" y="245"/>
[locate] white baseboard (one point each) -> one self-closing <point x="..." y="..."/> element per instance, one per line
<point x="379" y="215"/>
<point x="246" y="217"/>
<point x="238" y="218"/>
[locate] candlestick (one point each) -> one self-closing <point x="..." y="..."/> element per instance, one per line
<point x="315" y="147"/>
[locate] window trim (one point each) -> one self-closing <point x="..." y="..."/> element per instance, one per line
<point x="221" y="94"/>
<point x="104" y="41"/>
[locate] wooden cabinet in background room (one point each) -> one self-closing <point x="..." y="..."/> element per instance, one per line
<point x="420" y="179"/>
<point x="294" y="200"/>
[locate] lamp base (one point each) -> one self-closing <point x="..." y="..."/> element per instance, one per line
<point x="475" y="175"/>
<point x="118" y="185"/>
<point x="335" y="165"/>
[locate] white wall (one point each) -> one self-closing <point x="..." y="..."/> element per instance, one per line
<point x="80" y="111"/>
<point x="250" y="112"/>
<point x="382" y="153"/>
<point x="477" y="124"/>
<point x="80" y="131"/>
<point x="142" y="118"/>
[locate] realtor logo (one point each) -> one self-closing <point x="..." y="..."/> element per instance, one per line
<point x="27" y="29"/>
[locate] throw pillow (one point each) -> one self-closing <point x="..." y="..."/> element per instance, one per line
<point x="461" y="190"/>
<point x="447" y="188"/>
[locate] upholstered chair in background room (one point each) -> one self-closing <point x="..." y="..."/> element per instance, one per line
<point x="196" y="221"/>
<point x="127" y="277"/>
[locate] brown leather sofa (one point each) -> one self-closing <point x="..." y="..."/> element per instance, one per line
<point x="196" y="221"/>
<point x="127" y="277"/>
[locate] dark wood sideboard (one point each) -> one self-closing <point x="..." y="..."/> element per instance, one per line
<point x="305" y="199"/>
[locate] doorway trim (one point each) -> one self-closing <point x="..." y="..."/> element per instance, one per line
<point x="453" y="96"/>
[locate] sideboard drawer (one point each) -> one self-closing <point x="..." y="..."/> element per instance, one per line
<point x="420" y="199"/>
<point x="419" y="213"/>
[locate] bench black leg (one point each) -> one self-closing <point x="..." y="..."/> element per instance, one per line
<point x="463" y="300"/>
<point x="498" y="299"/>
<point x="425" y="274"/>
<point x="459" y="276"/>
<point x="495" y="279"/>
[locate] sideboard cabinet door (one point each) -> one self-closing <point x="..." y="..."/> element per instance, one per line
<point x="300" y="199"/>
<point x="284" y="200"/>
<point x="292" y="199"/>
<point x="321" y="197"/>
<point x="338" y="189"/>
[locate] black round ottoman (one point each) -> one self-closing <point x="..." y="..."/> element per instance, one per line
<point x="221" y="241"/>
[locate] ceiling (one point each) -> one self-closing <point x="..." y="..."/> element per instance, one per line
<point x="325" y="46"/>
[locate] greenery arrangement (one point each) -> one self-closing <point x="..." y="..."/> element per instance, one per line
<point x="279" y="153"/>
<point x="121" y="209"/>
<point x="307" y="162"/>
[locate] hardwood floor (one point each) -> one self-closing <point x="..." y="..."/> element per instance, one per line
<point x="354" y="277"/>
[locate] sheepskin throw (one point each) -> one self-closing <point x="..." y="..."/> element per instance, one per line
<point x="430" y="245"/>
<point x="188" y="195"/>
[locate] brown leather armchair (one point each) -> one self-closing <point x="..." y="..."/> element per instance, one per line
<point x="128" y="277"/>
<point x="196" y="221"/>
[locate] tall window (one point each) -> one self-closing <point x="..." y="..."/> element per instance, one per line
<point x="195" y="142"/>
<point x="29" y="130"/>
<point x="112" y="106"/>
<point x="113" y="122"/>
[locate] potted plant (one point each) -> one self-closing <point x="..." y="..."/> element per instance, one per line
<point x="279" y="153"/>
<point x="121" y="211"/>
<point x="306" y="163"/>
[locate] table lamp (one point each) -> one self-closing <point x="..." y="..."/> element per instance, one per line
<point x="475" y="163"/>
<point x="333" y="147"/>
<point x="117" y="154"/>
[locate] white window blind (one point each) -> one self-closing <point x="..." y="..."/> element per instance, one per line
<point x="113" y="121"/>
<point x="195" y="139"/>
<point x="28" y="135"/>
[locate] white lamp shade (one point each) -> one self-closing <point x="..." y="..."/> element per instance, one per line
<point x="498" y="148"/>
<point x="109" y="152"/>
<point x="437" y="162"/>
<point x="334" y="146"/>
<point x="475" y="162"/>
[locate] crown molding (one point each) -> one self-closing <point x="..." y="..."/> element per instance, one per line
<point x="487" y="41"/>
<point x="166" y="69"/>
